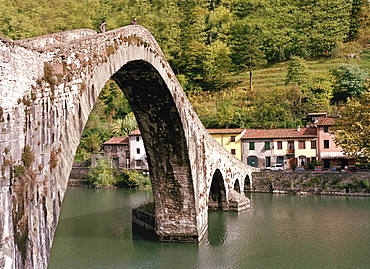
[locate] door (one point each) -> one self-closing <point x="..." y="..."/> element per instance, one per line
<point x="268" y="161"/>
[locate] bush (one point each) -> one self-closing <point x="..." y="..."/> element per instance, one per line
<point x="133" y="179"/>
<point x="365" y="183"/>
<point x="102" y="175"/>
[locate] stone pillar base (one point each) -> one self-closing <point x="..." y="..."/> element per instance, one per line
<point x="144" y="226"/>
<point x="238" y="201"/>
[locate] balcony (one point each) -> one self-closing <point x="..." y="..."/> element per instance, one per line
<point x="290" y="152"/>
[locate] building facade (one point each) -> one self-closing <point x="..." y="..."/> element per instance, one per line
<point x="289" y="147"/>
<point x="230" y="139"/>
<point x="118" y="149"/>
<point x="329" y="154"/>
<point x="260" y="148"/>
<point x="138" y="159"/>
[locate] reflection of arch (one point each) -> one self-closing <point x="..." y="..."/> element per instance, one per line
<point x="252" y="161"/>
<point x="237" y="185"/>
<point x="247" y="183"/>
<point x="217" y="196"/>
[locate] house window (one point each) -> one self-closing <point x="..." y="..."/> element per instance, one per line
<point x="139" y="163"/>
<point x="137" y="151"/>
<point x="233" y="151"/>
<point x="280" y="159"/>
<point x="116" y="162"/>
<point x="232" y="138"/>
<point x="137" y="139"/>
<point x="326" y="144"/>
<point x="251" y="145"/>
<point x="302" y="144"/>
<point x="326" y="129"/>
<point x="290" y="144"/>
<point x="268" y="161"/>
<point x="313" y="144"/>
<point x="267" y="145"/>
<point x="279" y="144"/>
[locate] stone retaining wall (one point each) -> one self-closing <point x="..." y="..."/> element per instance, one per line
<point x="312" y="183"/>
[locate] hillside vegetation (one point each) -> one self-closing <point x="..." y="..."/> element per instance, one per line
<point x="295" y="49"/>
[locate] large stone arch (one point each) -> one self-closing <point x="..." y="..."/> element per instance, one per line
<point x="165" y="144"/>
<point x="49" y="86"/>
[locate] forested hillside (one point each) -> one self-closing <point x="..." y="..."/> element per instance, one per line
<point x="295" y="50"/>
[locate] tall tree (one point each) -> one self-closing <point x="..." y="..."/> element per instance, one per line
<point x="352" y="129"/>
<point x="351" y="81"/>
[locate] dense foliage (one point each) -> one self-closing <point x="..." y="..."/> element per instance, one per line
<point x="207" y="40"/>
<point x="103" y="175"/>
<point x="352" y="130"/>
<point x="203" y="39"/>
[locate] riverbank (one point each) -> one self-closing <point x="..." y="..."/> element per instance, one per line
<point x="299" y="183"/>
<point x="309" y="183"/>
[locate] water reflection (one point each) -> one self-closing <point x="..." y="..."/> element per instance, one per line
<point x="279" y="231"/>
<point x="216" y="228"/>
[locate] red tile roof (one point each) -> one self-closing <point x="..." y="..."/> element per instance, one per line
<point x="280" y="133"/>
<point x="326" y="121"/>
<point x="226" y="131"/>
<point x="117" y="141"/>
<point x="136" y="132"/>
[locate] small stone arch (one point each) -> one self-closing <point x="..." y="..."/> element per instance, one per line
<point x="247" y="183"/>
<point x="217" y="196"/>
<point x="237" y="186"/>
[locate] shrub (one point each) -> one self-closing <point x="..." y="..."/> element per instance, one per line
<point x="365" y="183"/>
<point x="102" y="175"/>
<point x="133" y="179"/>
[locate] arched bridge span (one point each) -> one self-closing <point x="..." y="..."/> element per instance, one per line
<point x="48" y="86"/>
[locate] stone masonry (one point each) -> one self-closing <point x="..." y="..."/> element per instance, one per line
<point x="48" y="86"/>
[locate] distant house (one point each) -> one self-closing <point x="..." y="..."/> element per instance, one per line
<point x="257" y="147"/>
<point x="289" y="147"/>
<point x="329" y="154"/>
<point x="138" y="159"/>
<point x="118" y="149"/>
<point x="230" y="139"/>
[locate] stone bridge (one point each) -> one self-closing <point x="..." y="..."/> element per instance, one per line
<point x="48" y="87"/>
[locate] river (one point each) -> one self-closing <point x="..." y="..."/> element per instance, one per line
<point x="279" y="231"/>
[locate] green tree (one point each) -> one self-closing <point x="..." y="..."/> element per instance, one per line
<point x="246" y="47"/>
<point x="318" y="93"/>
<point x="297" y="71"/>
<point x="351" y="81"/>
<point x="122" y="127"/>
<point x="352" y="129"/>
<point x="102" y="175"/>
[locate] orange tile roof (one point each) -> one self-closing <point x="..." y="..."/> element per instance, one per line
<point x="116" y="141"/>
<point x="280" y="133"/>
<point x="326" y="121"/>
<point x="135" y="132"/>
<point x="226" y="131"/>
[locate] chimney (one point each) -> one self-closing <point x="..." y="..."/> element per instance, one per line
<point x="298" y="128"/>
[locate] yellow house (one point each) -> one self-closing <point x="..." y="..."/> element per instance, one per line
<point x="230" y="139"/>
<point x="298" y="146"/>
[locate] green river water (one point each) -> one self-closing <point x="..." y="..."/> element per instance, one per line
<point x="279" y="231"/>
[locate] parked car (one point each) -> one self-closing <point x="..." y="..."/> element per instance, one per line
<point x="299" y="169"/>
<point x="275" y="167"/>
<point x="351" y="169"/>
<point x="318" y="169"/>
<point x="335" y="169"/>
